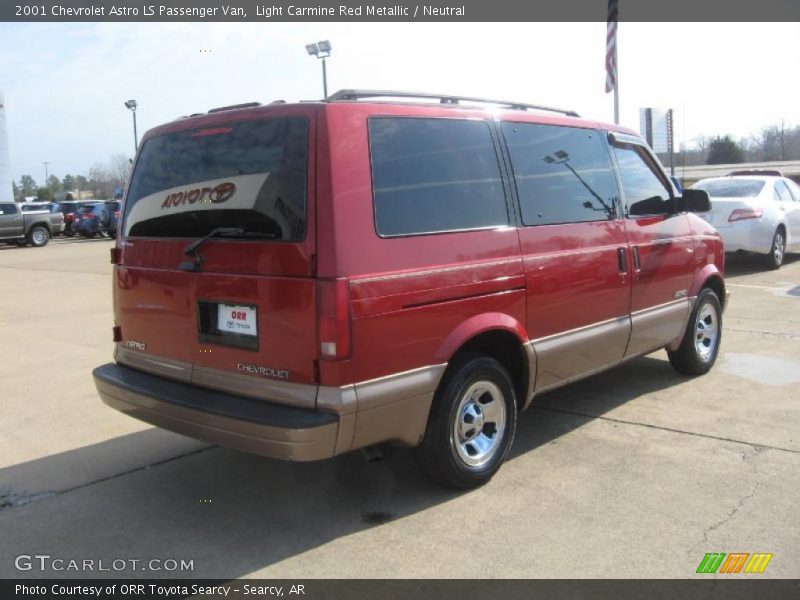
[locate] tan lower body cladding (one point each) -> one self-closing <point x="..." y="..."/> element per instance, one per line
<point x="572" y="355"/>
<point x="393" y="408"/>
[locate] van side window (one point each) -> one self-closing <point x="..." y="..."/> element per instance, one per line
<point x="645" y="193"/>
<point x="562" y="174"/>
<point x="434" y="175"/>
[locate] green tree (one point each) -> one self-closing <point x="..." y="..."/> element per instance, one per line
<point x="68" y="183"/>
<point x="81" y="182"/>
<point x="723" y="150"/>
<point x="54" y="183"/>
<point x="28" y="185"/>
<point x="45" y="194"/>
<point x="17" y="191"/>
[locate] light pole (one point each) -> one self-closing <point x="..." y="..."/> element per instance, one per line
<point x="46" y="175"/>
<point x="321" y="50"/>
<point x="131" y="105"/>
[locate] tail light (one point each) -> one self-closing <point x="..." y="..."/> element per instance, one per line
<point x="333" y="297"/>
<point x="740" y="214"/>
<point x="116" y="214"/>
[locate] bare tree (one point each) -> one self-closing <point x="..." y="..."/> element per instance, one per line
<point x="101" y="182"/>
<point x="750" y="149"/>
<point x="702" y="142"/>
<point x="775" y="142"/>
<point x="109" y="180"/>
<point x="120" y="168"/>
<point x="769" y="143"/>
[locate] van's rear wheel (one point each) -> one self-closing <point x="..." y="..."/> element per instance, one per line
<point x="471" y="426"/>
<point x="700" y="344"/>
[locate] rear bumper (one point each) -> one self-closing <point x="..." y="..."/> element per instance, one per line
<point x="750" y="235"/>
<point x="246" y="424"/>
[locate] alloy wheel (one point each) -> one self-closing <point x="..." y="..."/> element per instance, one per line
<point x="479" y="424"/>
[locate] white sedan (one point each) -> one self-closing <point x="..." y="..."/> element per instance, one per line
<point x="755" y="213"/>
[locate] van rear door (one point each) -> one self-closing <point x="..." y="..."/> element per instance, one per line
<point x="237" y="312"/>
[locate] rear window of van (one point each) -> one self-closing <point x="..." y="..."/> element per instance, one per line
<point x="250" y="175"/>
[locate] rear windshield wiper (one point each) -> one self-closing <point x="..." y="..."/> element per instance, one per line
<point x="219" y="231"/>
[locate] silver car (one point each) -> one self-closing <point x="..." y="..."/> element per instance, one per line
<point x="755" y="213"/>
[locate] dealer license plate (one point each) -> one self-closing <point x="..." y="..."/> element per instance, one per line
<point x="233" y="318"/>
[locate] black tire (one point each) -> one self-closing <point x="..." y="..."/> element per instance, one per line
<point x="38" y="236"/>
<point x="441" y="450"/>
<point x="69" y="232"/>
<point x="696" y="355"/>
<point x="777" y="251"/>
<point x="20" y="243"/>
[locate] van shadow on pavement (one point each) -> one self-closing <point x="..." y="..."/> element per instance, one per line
<point x="234" y="513"/>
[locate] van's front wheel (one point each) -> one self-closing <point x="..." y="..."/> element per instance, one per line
<point x="700" y="345"/>
<point x="471" y="426"/>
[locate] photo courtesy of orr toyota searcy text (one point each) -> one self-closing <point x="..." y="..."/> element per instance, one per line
<point x="158" y="591"/>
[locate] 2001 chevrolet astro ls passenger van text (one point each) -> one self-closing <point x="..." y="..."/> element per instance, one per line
<point x="303" y="280"/>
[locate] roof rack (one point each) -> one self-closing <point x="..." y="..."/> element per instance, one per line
<point x="349" y="95"/>
<point x="234" y="107"/>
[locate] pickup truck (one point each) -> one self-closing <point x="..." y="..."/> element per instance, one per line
<point x="28" y="227"/>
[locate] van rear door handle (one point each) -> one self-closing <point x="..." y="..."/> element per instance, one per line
<point x="636" y="265"/>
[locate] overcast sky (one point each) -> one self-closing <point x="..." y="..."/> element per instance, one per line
<point x="65" y="84"/>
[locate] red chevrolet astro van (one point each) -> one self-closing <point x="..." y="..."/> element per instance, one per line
<point x="303" y="280"/>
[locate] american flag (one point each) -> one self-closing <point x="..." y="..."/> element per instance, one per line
<point x="611" y="46"/>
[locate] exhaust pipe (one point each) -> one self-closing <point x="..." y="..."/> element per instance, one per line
<point x="372" y="453"/>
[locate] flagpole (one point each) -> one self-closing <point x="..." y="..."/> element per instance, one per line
<point x="612" y="71"/>
<point x="616" y="74"/>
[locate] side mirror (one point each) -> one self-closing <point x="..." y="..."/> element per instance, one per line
<point x="695" y="201"/>
<point x="652" y="206"/>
